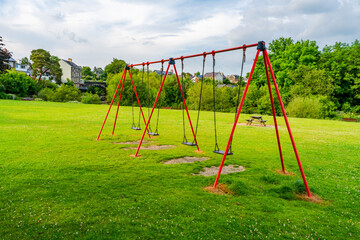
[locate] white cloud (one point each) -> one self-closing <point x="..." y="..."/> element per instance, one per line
<point x="92" y="32"/>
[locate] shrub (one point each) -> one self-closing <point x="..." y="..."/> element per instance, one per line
<point x="304" y="107"/>
<point x="328" y="107"/>
<point x="48" y="84"/>
<point x="46" y="94"/>
<point x="5" y="96"/>
<point x="2" y="88"/>
<point x="311" y="107"/>
<point x="18" y="83"/>
<point x="95" y="90"/>
<point x="89" y="98"/>
<point x="66" y="93"/>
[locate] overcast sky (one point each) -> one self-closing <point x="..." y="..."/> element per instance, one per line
<point x="93" y="32"/>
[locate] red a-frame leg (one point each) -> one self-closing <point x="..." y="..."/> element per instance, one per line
<point x="112" y="101"/>
<point x="274" y="115"/>
<point x="267" y="63"/>
<point x="122" y="80"/>
<point x="117" y="109"/>
<point x="171" y="62"/>
<point x="266" y="57"/>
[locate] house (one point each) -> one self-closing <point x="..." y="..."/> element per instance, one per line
<point x="219" y="76"/>
<point x="196" y="78"/>
<point x="24" y="68"/>
<point x="233" y="78"/>
<point x="70" y="71"/>
<point x="11" y="62"/>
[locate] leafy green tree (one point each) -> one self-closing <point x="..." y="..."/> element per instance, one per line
<point x="308" y="81"/>
<point x="4" y="56"/>
<point x="285" y="56"/>
<point x="43" y="62"/>
<point x="116" y="66"/>
<point x="342" y="63"/>
<point x="18" y="83"/>
<point x="25" y="61"/>
<point x="86" y="71"/>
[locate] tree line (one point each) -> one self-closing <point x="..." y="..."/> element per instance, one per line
<point x="313" y="83"/>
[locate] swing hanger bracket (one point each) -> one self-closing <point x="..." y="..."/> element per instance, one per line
<point x="171" y="61"/>
<point x="261" y="46"/>
<point x="127" y="67"/>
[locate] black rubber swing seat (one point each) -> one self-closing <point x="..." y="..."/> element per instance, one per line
<point x="135" y="128"/>
<point x="222" y="152"/>
<point x="153" y="134"/>
<point x="189" y="143"/>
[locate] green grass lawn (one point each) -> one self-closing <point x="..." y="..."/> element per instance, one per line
<point x="56" y="181"/>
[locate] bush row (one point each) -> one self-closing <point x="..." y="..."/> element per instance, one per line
<point x="15" y="84"/>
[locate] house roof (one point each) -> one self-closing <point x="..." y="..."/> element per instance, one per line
<point x="71" y="64"/>
<point x="10" y="60"/>
<point x="210" y="74"/>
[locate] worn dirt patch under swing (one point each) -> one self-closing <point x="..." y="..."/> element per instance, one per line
<point x="212" y="171"/>
<point x="186" y="160"/>
<point x="314" y="198"/>
<point x="153" y="147"/>
<point x="286" y="173"/>
<point x="129" y="143"/>
<point x="220" y="189"/>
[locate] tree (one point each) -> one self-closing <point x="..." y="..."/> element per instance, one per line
<point x="116" y="66"/>
<point x="226" y="81"/>
<point x="4" y="56"/>
<point x="342" y="63"/>
<point x="43" y="62"/>
<point x="25" y="61"/>
<point x="86" y="71"/>
<point x="18" y="83"/>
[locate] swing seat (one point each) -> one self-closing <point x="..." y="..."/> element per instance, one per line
<point x="135" y="128"/>
<point x="222" y="152"/>
<point x="153" y="133"/>
<point x="189" y="143"/>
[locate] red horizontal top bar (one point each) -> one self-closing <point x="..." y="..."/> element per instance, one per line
<point x="196" y="55"/>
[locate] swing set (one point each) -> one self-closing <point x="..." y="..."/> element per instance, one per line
<point x="228" y="150"/>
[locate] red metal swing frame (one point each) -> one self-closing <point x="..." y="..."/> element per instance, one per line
<point x="260" y="48"/>
<point x="122" y="82"/>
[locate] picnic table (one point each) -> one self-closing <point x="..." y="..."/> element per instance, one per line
<point x="257" y="119"/>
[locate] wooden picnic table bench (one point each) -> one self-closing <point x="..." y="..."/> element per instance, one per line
<point x="256" y="118"/>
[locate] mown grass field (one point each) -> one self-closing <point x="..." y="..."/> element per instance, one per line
<point x="57" y="182"/>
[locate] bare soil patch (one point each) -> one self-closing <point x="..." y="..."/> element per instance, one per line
<point x="153" y="147"/>
<point x="256" y="125"/>
<point x="186" y="160"/>
<point x="129" y="143"/>
<point x="221" y="189"/>
<point x="212" y="171"/>
<point x="314" y="198"/>
<point x="286" y="173"/>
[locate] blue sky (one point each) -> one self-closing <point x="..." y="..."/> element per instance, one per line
<point x="92" y="32"/>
